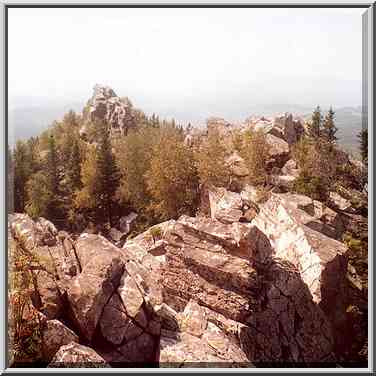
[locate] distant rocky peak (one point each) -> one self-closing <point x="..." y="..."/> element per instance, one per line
<point x="105" y="106"/>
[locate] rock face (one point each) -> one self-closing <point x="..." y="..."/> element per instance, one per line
<point x="106" y="106"/>
<point x="297" y="236"/>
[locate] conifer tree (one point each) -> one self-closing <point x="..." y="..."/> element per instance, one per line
<point x="108" y="175"/>
<point x="363" y="139"/>
<point x="73" y="171"/>
<point x="52" y="167"/>
<point x="314" y="127"/>
<point x="329" y="128"/>
<point x="10" y="192"/>
<point x="21" y="175"/>
<point x="40" y="196"/>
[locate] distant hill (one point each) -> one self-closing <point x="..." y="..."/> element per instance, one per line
<point x="25" y="122"/>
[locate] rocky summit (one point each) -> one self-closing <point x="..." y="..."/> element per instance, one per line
<point x="237" y="273"/>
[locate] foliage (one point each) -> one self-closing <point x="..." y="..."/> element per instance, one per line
<point x="25" y="326"/>
<point x="133" y="156"/>
<point x="363" y="139"/>
<point x="311" y="186"/>
<point x="85" y="199"/>
<point x="255" y="151"/>
<point x="155" y="232"/>
<point x="211" y="162"/>
<point x="172" y="178"/>
<point x="314" y="126"/>
<point x="107" y="176"/>
<point x="263" y="194"/>
<point x="39" y="196"/>
<point x="329" y="128"/>
<point x="22" y="172"/>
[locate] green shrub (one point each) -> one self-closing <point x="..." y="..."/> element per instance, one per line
<point x="311" y="186"/>
<point x="24" y="320"/>
<point x="155" y="232"/>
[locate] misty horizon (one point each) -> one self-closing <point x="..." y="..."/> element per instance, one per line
<point x="207" y="62"/>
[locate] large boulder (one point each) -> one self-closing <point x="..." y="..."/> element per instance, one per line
<point x="24" y="230"/>
<point x="198" y="342"/>
<point x="278" y="151"/>
<point x="229" y="207"/>
<point x="293" y="234"/>
<point x="54" y="335"/>
<point x="89" y="292"/>
<point x="125" y="222"/>
<point x="74" y="355"/>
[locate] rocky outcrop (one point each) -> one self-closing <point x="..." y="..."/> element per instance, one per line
<point x="232" y="289"/>
<point x="263" y="302"/>
<point x="106" y="106"/>
<point x="284" y="127"/>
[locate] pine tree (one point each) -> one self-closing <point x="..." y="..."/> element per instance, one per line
<point x="329" y="128"/>
<point x="40" y="196"/>
<point x="10" y="182"/>
<point x="54" y="209"/>
<point x="363" y="139"/>
<point x="314" y="127"/>
<point x="108" y="175"/>
<point x="73" y="171"/>
<point x="32" y="150"/>
<point x="21" y="174"/>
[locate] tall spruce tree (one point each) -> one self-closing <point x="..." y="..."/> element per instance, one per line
<point x="363" y="139"/>
<point x="10" y="182"/>
<point x="314" y="127"/>
<point x="21" y="174"/>
<point x="54" y="209"/>
<point x="108" y="175"/>
<point x="73" y="171"/>
<point x="329" y="128"/>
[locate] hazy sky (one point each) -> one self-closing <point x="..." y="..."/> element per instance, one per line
<point x="173" y="61"/>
